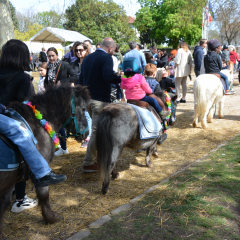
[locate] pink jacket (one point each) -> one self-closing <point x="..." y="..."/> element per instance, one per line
<point x="135" y="87"/>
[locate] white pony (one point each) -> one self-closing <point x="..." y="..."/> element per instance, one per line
<point x="208" y="91"/>
<point x="229" y="74"/>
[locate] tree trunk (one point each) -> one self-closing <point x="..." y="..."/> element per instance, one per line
<point x="6" y="23"/>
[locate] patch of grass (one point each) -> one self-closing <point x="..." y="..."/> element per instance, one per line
<point x="201" y="203"/>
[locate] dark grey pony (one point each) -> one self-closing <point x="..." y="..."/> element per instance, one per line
<point x="56" y="107"/>
<point x="118" y="128"/>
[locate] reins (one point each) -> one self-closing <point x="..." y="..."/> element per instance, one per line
<point x="73" y="117"/>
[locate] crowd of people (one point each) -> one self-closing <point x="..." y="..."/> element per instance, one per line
<point x="137" y="75"/>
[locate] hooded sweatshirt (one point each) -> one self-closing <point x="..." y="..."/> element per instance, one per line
<point x="135" y="87"/>
<point x="212" y="63"/>
<point x="198" y="56"/>
<point x="14" y="86"/>
<point x="226" y="55"/>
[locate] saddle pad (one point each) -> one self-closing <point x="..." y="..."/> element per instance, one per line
<point x="9" y="159"/>
<point x="149" y="126"/>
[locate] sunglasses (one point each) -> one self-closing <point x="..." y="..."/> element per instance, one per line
<point x="79" y="50"/>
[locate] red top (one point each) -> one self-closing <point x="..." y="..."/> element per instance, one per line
<point x="234" y="57"/>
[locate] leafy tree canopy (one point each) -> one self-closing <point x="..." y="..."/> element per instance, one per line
<point x="170" y="21"/>
<point x="14" y="17"/>
<point x="25" y="36"/>
<point x="98" y="20"/>
<point x="49" y="19"/>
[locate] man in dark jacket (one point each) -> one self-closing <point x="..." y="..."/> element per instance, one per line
<point x="43" y="56"/>
<point x="198" y="56"/>
<point x="97" y="73"/>
<point x="163" y="60"/>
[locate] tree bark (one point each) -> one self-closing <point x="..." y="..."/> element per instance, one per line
<point x="6" y="23"/>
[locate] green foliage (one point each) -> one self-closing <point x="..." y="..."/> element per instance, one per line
<point x="49" y="19"/>
<point x="170" y="21"/>
<point x="25" y="36"/>
<point x="14" y="17"/>
<point x="98" y="20"/>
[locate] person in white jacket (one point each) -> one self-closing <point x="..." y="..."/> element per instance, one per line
<point x="183" y="66"/>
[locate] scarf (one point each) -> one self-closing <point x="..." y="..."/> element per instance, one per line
<point x="52" y="70"/>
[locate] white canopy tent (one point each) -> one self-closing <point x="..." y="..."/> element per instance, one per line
<point x="57" y="35"/>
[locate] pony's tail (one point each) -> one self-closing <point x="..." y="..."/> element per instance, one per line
<point x="104" y="145"/>
<point x="200" y="104"/>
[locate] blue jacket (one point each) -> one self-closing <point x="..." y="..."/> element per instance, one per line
<point x="154" y="85"/>
<point x="70" y="57"/>
<point x="138" y="55"/>
<point x="198" y="56"/>
<point x="97" y="73"/>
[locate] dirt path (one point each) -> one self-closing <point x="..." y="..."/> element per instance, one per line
<point x="79" y="199"/>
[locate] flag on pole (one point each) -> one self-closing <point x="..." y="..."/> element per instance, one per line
<point x="211" y="9"/>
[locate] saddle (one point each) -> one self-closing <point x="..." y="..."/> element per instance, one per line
<point x="139" y="103"/>
<point x="8" y="142"/>
<point x="217" y="75"/>
<point x="145" y="105"/>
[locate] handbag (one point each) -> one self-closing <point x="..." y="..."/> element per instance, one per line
<point x="57" y="74"/>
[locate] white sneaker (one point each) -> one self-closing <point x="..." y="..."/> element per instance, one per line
<point x="60" y="152"/>
<point x="27" y="203"/>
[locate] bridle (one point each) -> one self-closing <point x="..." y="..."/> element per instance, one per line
<point x="73" y="117"/>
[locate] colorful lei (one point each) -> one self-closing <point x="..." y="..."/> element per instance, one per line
<point x="44" y="123"/>
<point x="169" y="105"/>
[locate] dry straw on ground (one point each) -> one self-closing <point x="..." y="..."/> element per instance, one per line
<point x="79" y="200"/>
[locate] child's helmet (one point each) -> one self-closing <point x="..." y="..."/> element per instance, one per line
<point x="225" y="46"/>
<point x="131" y="64"/>
<point x="213" y="44"/>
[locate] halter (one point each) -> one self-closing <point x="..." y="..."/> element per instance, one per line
<point x="73" y="117"/>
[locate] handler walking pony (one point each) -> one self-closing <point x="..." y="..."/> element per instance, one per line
<point x="55" y="106"/>
<point x="208" y="91"/>
<point x="118" y="128"/>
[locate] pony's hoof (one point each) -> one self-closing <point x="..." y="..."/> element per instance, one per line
<point x="204" y="126"/>
<point x="54" y="218"/>
<point x="115" y="176"/>
<point x="155" y="155"/>
<point x="104" y="191"/>
<point x="210" y="121"/>
<point x="221" y="116"/>
<point x="194" y="124"/>
<point x="150" y="165"/>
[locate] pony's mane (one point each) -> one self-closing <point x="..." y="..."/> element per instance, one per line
<point x="51" y="103"/>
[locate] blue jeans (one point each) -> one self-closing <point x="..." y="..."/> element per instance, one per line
<point x="225" y="78"/>
<point x="153" y="102"/>
<point x="20" y="137"/>
<point x="63" y="139"/>
<point x="89" y="122"/>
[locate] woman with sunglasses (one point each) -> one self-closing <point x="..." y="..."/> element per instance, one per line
<point x="81" y="50"/>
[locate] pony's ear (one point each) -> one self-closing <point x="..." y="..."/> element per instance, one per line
<point x="84" y="89"/>
<point x="174" y="98"/>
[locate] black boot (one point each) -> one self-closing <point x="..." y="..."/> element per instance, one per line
<point x="49" y="179"/>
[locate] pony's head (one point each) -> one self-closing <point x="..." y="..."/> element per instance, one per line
<point x="78" y="125"/>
